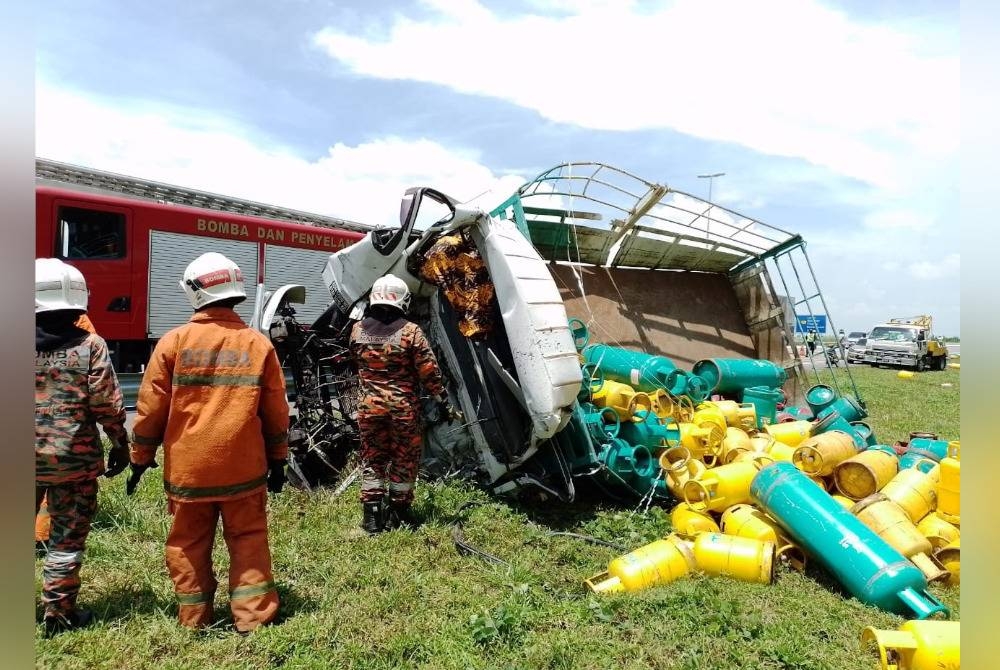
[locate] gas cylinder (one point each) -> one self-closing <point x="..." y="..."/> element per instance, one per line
<point x="679" y="467"/>
<point x="733" y="444"/>
<point x="656" y="563"/>
<point x="798" y="413"/>
<point x="832" y="421"/>
<point x="847" y="407"/>
<point x="633" y="464"/>
<point x="738" y="415"/>
<point x="747" y="521"/>
<point x="622" y="398"/>
<point x="891" y="523"/>
<point x="709" y="412"/>
<point x="846" y="502"/>
<point x="791" y="433"/>
<point x="863" y="474"/>
<point x="950" y="485"/>
<point x="928" y="448"/>
<point x="602" y="423"/>
<point x="937" y="531"/>
<point x="765" y="401"/>
<point x="703" y="441"/>
<point x="644" y="372"/>
<point x="820" y="454"/>
<point x="683" y="409"/>
<point x="663" y="404"/>
<point x="949" y="557"/>
<point x="864" y="431"/>
<point x="649" y="430"/>
<point x="689" y="522"/>
<point x="593" y="380"/>
<point x="732" y="375"/>
<point x="917" y="645"/>
<point x="819" y="397"/>
<point x="723" y="486"/>
<point x="780" y="451"/>
<point x="914" y="491"/>
<point x="581" y="335"/>
<point x="864" y="563"/>
<point x="761" y="442"/>
<point x="741" y="558"/>
<point x="912" y="459"/>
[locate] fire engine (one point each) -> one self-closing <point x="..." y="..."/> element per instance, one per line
<point x="133" y="238"/>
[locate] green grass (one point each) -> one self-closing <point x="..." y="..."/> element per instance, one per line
<point x="407" y="599"/>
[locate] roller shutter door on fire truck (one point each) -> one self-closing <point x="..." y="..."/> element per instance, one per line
<point x="288" y="265"/>
<point x="169" y="254"/>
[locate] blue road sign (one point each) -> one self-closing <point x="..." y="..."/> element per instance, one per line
<point x="803" y="322"/>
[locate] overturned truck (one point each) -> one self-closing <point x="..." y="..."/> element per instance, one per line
<point x="633" y="264"/>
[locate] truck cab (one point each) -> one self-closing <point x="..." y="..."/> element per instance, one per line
<point x="906" y="343"/>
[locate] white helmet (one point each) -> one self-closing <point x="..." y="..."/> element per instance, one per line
<point x="58" y="285"/>
<point x="210" y="278"/>
<point x="390" y="290"/>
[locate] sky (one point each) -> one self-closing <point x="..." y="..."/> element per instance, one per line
<point x="837" y="120"/>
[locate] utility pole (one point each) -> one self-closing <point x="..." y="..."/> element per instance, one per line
<point x="710" y="178"/>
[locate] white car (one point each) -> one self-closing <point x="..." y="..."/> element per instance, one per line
<point x="856" y="350"/>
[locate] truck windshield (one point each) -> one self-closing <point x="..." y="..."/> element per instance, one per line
<point x="893" y="334"/>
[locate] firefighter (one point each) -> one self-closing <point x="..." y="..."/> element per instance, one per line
<point x="75" y="389"/>
<point x="43" y="524"/>
<point x="214" y="395"/>
<point x="394" y="360"/>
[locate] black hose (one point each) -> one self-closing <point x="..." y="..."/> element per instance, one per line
<point x="461" y="544"/>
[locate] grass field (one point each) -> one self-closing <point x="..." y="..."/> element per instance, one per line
<point x="407" y="599"/>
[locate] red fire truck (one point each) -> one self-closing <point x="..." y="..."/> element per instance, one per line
<point x="133" y="238"/>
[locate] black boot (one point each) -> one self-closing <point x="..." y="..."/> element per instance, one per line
<point x="400" y="515"/>
<point x="372" y="521"/>
<point x="72" y="621"/>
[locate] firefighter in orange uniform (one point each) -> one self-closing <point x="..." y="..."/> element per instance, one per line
<point x="214" y="395"/>
<point x="43" y="523"/>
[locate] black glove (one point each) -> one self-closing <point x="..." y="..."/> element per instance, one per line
<point x="275" y="476"/>
<point x="133" y="478"/>
<point x="117" y="460"/>
<point x="448" y="413"/>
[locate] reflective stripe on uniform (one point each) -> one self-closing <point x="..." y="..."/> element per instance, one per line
<point x="277" y="438"/>
<point x="400" y="487"/>
<point x="252" y="591"/>
<point x="217" y="380"/>
<point x="196" y="598"/>
<point x="63" y="559"/>
<point x="208" y="491"/>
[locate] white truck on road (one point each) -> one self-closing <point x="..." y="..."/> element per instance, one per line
<point x="906" y="342"/>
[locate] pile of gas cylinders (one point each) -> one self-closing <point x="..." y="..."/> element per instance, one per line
<point x="761" y="482"/>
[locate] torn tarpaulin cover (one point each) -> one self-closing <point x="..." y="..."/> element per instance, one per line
<point x="455" y="265"/>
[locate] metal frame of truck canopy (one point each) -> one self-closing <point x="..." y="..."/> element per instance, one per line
<point x="589" y="218"/>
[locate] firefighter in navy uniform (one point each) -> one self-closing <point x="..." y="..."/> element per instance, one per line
<point x="75" y="389"/>
<point x="214" y="395"/>
<point x="394" y="361"/>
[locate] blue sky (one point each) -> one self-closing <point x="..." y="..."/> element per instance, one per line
<point x="837" y="120"/>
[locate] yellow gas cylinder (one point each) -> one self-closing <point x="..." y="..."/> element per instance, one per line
<point x="622" y="398"/>
<point x="679" y="467"/>
<point x="738" y="415"/>
<point x="891" y="523"/>
<point x="703" y="441"/>
<point x="820" y="454"/>
<point x="663" y="404"/>
<point x="822" y="482"/>
<point x="905" y="374"/>
<point x="950" y="557"/>
<point x="780" y="451"/>
<point x="864" y="474"/>
<point x="734" y="443"/>
<point x="748" y="521"/>
<point x="723" y="486"/>
<point x="683" y="409"/>
<point x="917" y="645"/>
<point x="741" y="558"/>
<point x="689" y="521"/>
<point x="914" y="491"/>
<point x="709" y="412"/>
<point x="847" y="503"/>
<point x="656" y="563"/>
<point x="791" y="433"/>
<point x="937" y="531"/>
<point x="949" y="488"/>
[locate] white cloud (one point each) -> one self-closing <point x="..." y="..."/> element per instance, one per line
<point x="198" y="150"/>
<point x="785" y="77"/>
<point x="936" y="269"/>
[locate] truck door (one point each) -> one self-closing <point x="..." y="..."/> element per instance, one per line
<point x="95" y="238"/>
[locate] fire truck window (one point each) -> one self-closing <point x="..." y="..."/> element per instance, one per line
<point x="90" y="234"/>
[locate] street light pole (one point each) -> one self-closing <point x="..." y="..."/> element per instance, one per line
<point x="710" y="178"/>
